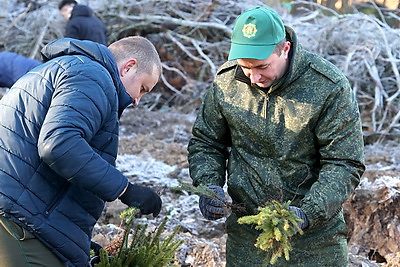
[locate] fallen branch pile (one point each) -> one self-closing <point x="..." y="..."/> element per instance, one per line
<point x="367" y="50"/>
<point x="192" y="38"/>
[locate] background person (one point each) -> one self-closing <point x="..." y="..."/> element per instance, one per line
<point x="278" y="123"/>
<point x="59" y="143"/>
<point x="81" y="23"/>
<point x="13" y="66"/>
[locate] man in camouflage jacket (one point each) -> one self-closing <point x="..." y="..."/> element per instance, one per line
<point x="278" y="123"/>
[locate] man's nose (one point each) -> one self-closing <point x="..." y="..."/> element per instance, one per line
<point x="254" y="76"/>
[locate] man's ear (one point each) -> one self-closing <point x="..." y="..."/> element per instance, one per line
<point x="129" y="65"/>
<point x="286" y="49"/>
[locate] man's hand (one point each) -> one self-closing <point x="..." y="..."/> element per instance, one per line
<point x="95" y="247"/>
<point x="143" y="198"/>
<point x="213" y="209"/>
<point x="302" y="225"/>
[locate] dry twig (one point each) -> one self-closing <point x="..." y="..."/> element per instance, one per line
<point x="193" y="37"/>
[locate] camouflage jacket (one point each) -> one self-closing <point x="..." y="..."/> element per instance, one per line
<point x="299" y="140"/>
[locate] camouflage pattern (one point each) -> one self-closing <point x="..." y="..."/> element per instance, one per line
<point x="299" y="140"/>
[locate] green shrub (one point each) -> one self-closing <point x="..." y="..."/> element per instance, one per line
<point x="145" y="249"/>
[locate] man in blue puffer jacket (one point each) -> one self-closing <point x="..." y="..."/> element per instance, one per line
<point x="58" y="146"/>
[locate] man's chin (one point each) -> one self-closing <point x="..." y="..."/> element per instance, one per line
<point x="263" y="85"/>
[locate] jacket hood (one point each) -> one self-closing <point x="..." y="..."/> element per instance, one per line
<point x="297" y="61"/>
<point x="81" y="11"/>
<point x="95" y="51"/>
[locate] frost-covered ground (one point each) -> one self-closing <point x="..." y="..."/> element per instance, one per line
<point x="153" y="153"/>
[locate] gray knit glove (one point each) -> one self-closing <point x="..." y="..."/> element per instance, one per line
<point x="301" y="215"/>
<point x="213" y="209"/>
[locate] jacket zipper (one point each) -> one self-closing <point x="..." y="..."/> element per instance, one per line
<point x="266" y="99"/>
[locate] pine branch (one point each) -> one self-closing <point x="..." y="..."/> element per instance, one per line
<point x="146" y="249"/>
<point x="277" y="225"/>
<point x="200" y="190"/>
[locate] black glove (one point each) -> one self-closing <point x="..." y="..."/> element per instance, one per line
<point x="96" y="248"/>
<point x="304" y="224"/>
<point x="96" y="258"/>
<point x="143" y="198"/>
<point x="213" y="209"/>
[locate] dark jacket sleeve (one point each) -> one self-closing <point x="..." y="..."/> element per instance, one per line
<point x="210" y="138"/>
<point x="342" y="156"/>
<point x="79" y="109"/>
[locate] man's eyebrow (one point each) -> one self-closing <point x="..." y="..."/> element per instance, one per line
<point x="257" y="66"/>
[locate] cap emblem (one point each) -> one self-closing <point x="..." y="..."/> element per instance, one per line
<point x="249" y="30"/>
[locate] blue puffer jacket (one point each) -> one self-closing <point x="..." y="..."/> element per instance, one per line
<point x="58" y="146"/>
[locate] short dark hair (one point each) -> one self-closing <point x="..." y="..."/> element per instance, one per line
<point x="279" y="47"/>
<point x="66" y="2"/>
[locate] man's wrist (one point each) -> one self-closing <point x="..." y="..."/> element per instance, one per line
<point x="123" y="191"/>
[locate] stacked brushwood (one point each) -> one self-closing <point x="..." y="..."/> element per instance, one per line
<point x="367" y="50"/>
<point x="372" y="211"/>
<point x="192" y="38"/>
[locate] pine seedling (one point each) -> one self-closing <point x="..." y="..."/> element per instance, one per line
<point x="201" y="190"/>
<point x="145" y="249"/>
<point x="277" y="225"/>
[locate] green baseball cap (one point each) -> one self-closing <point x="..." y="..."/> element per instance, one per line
<point x="256" y="33"/>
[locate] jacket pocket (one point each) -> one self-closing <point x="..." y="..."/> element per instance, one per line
<point x="53" y="204"/>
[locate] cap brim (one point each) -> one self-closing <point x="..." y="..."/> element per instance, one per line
<point x="259" y="52"/>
